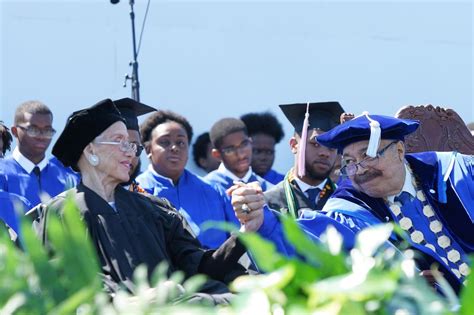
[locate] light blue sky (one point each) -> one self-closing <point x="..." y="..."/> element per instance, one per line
<point x="207" y="60"/>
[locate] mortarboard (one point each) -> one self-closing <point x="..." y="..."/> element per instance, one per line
<point x="323" y="115"/>
<point x="131" y="109"/>
<point x="363" y="128"/>
<point x="81" y="128"/>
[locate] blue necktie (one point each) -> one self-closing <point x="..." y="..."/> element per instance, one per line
<point x="313" y="193"/>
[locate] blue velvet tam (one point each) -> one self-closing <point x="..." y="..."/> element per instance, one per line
<point x="361" y="128"/>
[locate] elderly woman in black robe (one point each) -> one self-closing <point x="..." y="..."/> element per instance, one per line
<point x="128" y="228"/>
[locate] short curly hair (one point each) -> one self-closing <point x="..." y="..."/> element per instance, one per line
<point x="224" y="127"/>
<point x="265" y="123"/>
<point x="32" y="107"/>
<point x="200" y="147"/>
<point x="160" y="117"/>
<point x="6" y="137"/>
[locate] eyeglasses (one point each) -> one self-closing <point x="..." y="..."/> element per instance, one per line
<point x="351" y="168"/>
<point x="36" y="132"/>
<point x="234" y="150"/>
<point x="124" y="145"/>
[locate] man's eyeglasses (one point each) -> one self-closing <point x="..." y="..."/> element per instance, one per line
<point x="234" y="150"/>
<point x="124" y="146"/>
<point x="351" y="168"/>
<point x="36" y="132"/>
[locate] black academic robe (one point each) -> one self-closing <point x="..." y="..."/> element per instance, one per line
<point x="276" y="198"/>
<point x="146" y="230"/>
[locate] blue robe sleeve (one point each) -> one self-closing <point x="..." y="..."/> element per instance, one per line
<point x="313" y="226"/>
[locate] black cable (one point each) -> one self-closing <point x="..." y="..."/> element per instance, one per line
<point x="143" y="27"/>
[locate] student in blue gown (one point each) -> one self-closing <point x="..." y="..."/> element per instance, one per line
<point x="233" y="147"/>
<point x="266" y="132"/>
<point x="166" y="136"/>
<point x="5" y="139"/>
<point x="27" y="172"/>
<point x="429" y="194"/>
<point x="202" y="153"/>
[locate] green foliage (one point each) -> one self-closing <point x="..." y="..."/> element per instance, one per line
<point x="372" y="279"/>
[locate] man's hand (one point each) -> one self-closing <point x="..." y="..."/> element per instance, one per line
<point x="248" y="202"/>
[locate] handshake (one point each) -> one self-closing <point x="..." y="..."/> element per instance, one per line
<point x="248" y="202"/>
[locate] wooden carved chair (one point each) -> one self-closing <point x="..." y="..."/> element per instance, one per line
<point x="441" y="129"/>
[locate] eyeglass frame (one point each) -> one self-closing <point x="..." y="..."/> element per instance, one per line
<point x="124" y="145"/>
<point x="42" y="132"/>
<point x="234" y="150"/>
<point x="366" y="162"/>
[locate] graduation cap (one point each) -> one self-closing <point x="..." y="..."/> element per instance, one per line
<point x="131" y="109"/>
<point x="368" y="127"/>
<point x="81" y="128"/>
<point x="322" y="115"/>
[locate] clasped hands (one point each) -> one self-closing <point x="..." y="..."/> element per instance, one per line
<point x="248" y="202"/>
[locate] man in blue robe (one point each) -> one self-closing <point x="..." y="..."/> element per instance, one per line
<point x="429" y="194"/>
<point x="166" y="136"/>
<point x="233" y="147"/>
<point x="27" y="172"/>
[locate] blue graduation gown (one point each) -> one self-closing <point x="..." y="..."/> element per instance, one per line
<point x="451" y="200"/>
<point x="197" y="198"/>
<point x="223" y="182"/>
<point x="54" y="180"/>
<point x="313" y="224"/>
<point x="273" y="177"/>
<point x="9" y="202"/>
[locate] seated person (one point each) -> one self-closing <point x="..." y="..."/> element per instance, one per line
<point x="429" y="194"/>
<point x="307" y="184"/>
<point x="128" y="228"/>
<point x="266" y="132"/>
<point x="233" y="147"/>
<point x="5" y="139"/>
<point x="202" y="153"/>
<point x="166" y="136"/>
<point x="28" y="172"/>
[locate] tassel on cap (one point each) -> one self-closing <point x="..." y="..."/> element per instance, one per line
<point x="375" y="135"/>
<point x="302" y="147"/>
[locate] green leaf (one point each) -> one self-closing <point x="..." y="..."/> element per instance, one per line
<point x="467" y="294"/>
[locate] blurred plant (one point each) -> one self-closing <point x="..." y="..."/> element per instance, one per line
<point x="373" y="278"/>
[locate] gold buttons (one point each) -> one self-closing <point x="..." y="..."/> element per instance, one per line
<point x="430" y="246"/>
<point x="444" y="241"/>
<point x="456" y="273"/>
<point x="406" y="223"/>
<point x="395" y="209"/>
<point x="454" y="255"/>
<point x="427" y="211"/>
<point x="464" y="269"/>
<point x="420" y="196"/>
<point x="417" y="237"/>
<point x="436" y="226"/>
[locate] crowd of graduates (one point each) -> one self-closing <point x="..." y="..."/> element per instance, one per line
<point x="349" y="172"/>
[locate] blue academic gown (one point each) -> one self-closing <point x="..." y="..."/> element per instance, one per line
<point x="313" y="224"/>
<point x="222" y="182"/>
<point x="452" y="201"/>
<point x="54" y="180"/>
<point x="12" y="205"/>
<point x="273" y="177"/>
<point x="197" y="198"/>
